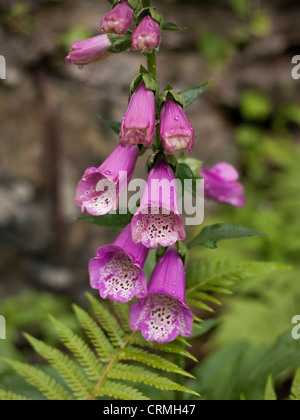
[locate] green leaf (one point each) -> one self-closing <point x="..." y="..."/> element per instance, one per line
<point x="295" y="393"/>
<point x="211" y="235"/>
<point x="109" y="220"/>
<point x="184" y="172"/>
<point x="169" y="26"/>
<point x="270" y="394"/>
<point x="96" y="335"/>
<point x="142" y="356"/>
<point x="195" y="165"/>
<point x="40" y="380"/>
<point x="80" y="349"/>
<point x="120" y="43"/>
<point x="120" y="391"/>
<point x="11" y="396"/>
<point x="141" y="375"/>
<point x="190" y="95"/>
<point x="66" y="367"/>
<point x="114" y="125"/>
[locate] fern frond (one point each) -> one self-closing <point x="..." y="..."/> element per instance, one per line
<point x="11" y="396"/>
<point x="142" y="356"/>
<point x="169" y="348"/>
<point x="80" y="350"/>
<point x="140" y="375"/>
<point x="217" y="277"/>
<point x="108" y="322"/>
<point x="96" y="335"/>
<point x="67" y="368"/>
<point x="270" y="394"/>
<point x="295" y="392"/>
<point x="199" y="304"/>
<point x="40" y="380"/>
<point x="120" y="391"/>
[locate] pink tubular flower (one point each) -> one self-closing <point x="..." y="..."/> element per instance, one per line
<point x="220" y="185"/>
<point x="89" y="50"/>
<point x="117" y="271"/>
<point x="118" y="20"/>
<point x="157" y="221"/>
<point x="146" y="37"/>
<point x="138" y="126"/>
<point x="176" y="131"/>
<point x="163" y="314"/>
<point x="99" y="188"/>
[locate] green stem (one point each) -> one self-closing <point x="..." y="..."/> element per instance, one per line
<point x="151" y="61"/>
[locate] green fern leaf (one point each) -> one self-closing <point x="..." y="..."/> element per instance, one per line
<point x="69" y="370"/>
<point x="199" y="304"/>
<point x="96" y="335"/>
<point x="142" y="356"/>
<point x="295" y="393"/>
<point x="204" y="276"/>
<point x="140" y="375"/>
<point x="169" y="348"/>
<point x="40" y="380"/>
<point x="108" y="322"/>
<point x="11" y="396"/>
<point x="80" y="350"/>
<point x="120" y="391"/>
<point x="270" y="394"/>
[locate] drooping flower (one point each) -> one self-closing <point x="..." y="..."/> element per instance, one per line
<point x="89" y="50"/>
<point x="118" y="20"/>
<point x="163" y="314"/>
<point x="146" y="37"/>
<point x="99" y="188"/>
<point x="221" y="185"/>
<point x="117" y="271"/>
<point x="176" y="131"/>
<point x="138" y="126"/>
<point x="157" y="221"/>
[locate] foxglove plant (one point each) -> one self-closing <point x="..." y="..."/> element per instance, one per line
<point x="156" y="121"/>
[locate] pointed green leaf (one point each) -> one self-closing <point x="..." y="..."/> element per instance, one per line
<point x="270" y="394"/>
<point x="120" y="43"/>
<point x="169" y="26"/>
<point x="114" y="125"/>
<point x="190" y="95"/>
<point x="108" y="220"/>
<point x="211" y="235"/>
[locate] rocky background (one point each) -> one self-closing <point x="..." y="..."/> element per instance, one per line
<point x="49" y="114"/>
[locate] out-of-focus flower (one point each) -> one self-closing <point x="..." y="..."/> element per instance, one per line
<point x="99" y="189"/>
<point x="163" y="314"/>
<point x="157" y="221"/>
<point x="117" y="271"/>
<point x="176" y="131"/>
<point x="89" y="50"/>
<point x="146" y="37"/>
<point x="221" y="185"/>
<point x="138" y="126"/>
<point x="118" y="20"/>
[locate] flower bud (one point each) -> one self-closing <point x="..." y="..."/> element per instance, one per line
<point x="146" y="37"/>
<point x="118" y="20"/>
<point x="89" y="50"/>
